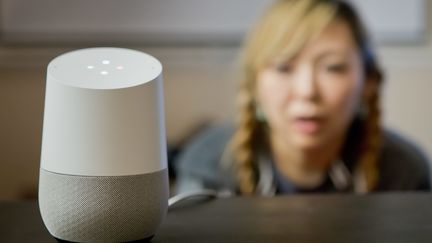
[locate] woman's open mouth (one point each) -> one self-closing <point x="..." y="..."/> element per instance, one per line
<point x="308" y="125"/>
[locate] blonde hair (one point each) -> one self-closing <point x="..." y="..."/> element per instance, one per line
<point x="281" y="33"/>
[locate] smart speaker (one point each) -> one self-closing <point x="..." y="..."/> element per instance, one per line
<point x="103" y="175"/>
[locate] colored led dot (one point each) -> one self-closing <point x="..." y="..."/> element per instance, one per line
<point x="90" y="67"/>
<point x="104" y="72"/>
<point x="119" y="67"/>
<point x="106" y="62"/>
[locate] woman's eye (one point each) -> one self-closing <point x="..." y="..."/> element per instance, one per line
<point x="337" y="68"/>
<point x="284" y="68"/>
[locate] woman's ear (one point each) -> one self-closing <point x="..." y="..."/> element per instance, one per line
<point x="370" y="88"/>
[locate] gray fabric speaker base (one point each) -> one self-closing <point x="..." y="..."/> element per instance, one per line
<point x="103" y="209"/>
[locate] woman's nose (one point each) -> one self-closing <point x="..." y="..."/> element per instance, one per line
<point x="305" y="84"/>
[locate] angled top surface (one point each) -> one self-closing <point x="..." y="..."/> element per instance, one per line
<point x="104" y="68"/>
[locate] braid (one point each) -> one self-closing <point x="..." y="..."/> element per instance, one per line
<point x="243" y="140"/>
<point x="372" y="135"/>
<point x="371" y="142"/>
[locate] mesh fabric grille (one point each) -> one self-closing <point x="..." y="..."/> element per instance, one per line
<point x="103" y="209"/>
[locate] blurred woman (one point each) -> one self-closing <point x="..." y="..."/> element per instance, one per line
<point x="308" y="113"/>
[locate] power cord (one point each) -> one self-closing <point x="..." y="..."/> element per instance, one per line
<point x="205" y="194"/>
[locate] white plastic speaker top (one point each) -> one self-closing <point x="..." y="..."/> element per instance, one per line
<point x="104" y="114"/>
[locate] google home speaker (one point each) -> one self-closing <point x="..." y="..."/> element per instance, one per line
<point x="103" y="173"/>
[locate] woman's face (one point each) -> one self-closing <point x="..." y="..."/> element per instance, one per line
<point x="310" y="100"/>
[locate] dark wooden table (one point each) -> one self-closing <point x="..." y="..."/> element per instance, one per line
<point x="316" y="218"/>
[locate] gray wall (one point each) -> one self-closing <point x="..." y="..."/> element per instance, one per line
<point x="178" y="21"/>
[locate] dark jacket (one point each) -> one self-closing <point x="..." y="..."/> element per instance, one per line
<point x="203" y="165"/>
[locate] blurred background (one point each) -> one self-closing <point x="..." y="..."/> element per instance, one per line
<point x="198" y="42"/>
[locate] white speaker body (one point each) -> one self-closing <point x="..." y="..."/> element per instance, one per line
<point x="103" y="175"/>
